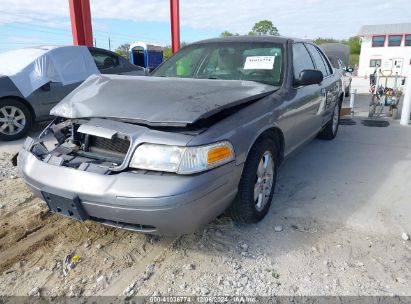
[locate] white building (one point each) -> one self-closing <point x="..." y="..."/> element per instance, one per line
<point x="386" y="45"/>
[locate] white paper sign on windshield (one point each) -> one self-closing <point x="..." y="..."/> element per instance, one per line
<point x="259" y="63"/>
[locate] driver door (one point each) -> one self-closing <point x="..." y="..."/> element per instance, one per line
<point x="302" y="110"/>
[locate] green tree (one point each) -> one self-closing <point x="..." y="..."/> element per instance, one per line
<point x="355" y="44"/>
<point x="228" y="34"/>
<point x="123" y="50"/>
<point x="264" y="27"/>
<point x="321" y="40"/>
<point x="167" y="53"/>
<point x="352" y="42"/>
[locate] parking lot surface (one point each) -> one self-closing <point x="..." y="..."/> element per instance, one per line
<point x="335" y="227"/>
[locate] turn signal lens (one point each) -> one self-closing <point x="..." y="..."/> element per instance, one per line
<point x="218" y="154"/>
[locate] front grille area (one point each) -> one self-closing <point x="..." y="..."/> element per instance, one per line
<point x="115" y="148"/>
<point x="116" y="144"/>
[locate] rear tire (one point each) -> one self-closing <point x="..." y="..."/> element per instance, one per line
<point x="257" y="184"/>
<point x="15" y="119"/>
<point x="331" y="128"/>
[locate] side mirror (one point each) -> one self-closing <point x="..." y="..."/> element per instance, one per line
<point x="46" y="87"/>
<point x="349" y="70"/>
<point x="308" y="77"/>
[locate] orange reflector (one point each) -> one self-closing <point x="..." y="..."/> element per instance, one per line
<point x="217" y="154"/>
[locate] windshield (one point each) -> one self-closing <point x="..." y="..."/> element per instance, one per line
<point x="254" y="61"/>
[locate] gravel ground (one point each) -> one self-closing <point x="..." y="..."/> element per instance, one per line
<point x="49" y="255"/>
<point x="7" y="170"/>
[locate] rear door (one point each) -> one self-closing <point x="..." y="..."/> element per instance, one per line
<point x="329" y="87"/>
<point x="52" y="93"/>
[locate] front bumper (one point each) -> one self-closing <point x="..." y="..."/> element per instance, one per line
<point x="151" y="202"/>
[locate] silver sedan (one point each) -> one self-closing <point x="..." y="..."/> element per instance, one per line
<point x="206" y="134"/>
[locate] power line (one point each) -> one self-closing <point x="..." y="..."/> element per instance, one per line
<point x="49" y="30"/>
<point x="33" y="30"/>
<point x="101" y="34"/>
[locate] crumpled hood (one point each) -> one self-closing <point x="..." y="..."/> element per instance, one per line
<point x="156" y="100"/>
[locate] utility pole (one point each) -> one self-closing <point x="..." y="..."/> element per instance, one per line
<point x="95" y="42"/>
<point x="109" y="44"/>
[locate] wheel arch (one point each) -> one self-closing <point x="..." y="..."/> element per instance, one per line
<point x="277" y="135"/>
<point x="25" y="102"/>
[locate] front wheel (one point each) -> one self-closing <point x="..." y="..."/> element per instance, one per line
<point x="256" y="188"/>
<point x="331" y="128"/>
<point x="15" y="119"/>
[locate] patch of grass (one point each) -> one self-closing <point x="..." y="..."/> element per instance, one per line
<point x="274" y="274"/>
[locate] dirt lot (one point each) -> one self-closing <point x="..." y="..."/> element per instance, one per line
<point x="335" y="228"/>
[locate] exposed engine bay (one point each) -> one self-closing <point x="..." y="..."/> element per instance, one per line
<point x="82" y="147"/>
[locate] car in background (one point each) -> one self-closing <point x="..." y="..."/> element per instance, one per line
<point x="207" y="134"/>
<point x="109" y="62"/>
<point x="346" y="73"/>
<point x="33" y="80"/>
<point x="339" y="56"/>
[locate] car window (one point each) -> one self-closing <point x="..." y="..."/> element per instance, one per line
<point x="335" y="62"/>
<point x="252" y="61"/>
<point x="104" y="60"/>
<point x="326" y="62"/>
<point x="319" y="61"/>
<point x="186" y="65"/>
<point x="301" y="59"/>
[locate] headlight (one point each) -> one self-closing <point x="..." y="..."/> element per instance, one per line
<point x="182" y="160"/>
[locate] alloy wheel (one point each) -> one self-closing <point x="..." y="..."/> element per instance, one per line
<point x="12" y="120"/>
<point x="264" y="181"/>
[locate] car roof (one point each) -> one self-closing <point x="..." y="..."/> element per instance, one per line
<point x="93" y="48"/>
<point x="260" y="38"/>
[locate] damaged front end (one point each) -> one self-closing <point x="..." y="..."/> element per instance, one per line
<point x="125" y="175"/>
<point x="83" y="144"/>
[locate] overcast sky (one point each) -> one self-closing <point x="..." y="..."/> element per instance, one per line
<point x="34" y="22"/>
